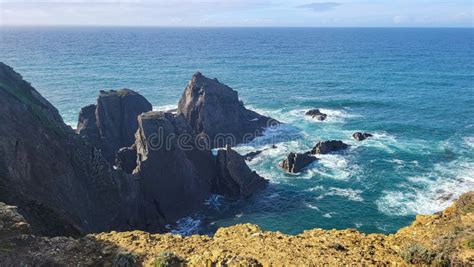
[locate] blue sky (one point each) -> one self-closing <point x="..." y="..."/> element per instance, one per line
<point x="205" y="13"/>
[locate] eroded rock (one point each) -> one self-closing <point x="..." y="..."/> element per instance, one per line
<point x="234" y="178"/>
<point x="214" y="111"/>
<point x="295" y="162"/>
<point x="361" y="136"/>
<point x="316" y="114"/>
<point x="325" y="147"/>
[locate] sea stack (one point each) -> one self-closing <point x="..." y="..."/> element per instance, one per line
<point x="215" y="112"/>
<point x="111" y="123"/>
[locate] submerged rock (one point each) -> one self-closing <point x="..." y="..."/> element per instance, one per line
<point x="251" y="155"/>
<point x="295" y="162"/>
<point x="325" y="147"/>
<point x="112" y="123"/>
<point x="214" y="112"/>
<point x="316" y="114"/>
<point x="234" y="178"/>
<point x="361" y="136"/>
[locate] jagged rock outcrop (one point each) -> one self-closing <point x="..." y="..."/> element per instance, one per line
<point x="175" y="174"/>
<point x="325" y="147"/>
<point x="361" y="136"/>
<point x="316" y="114"/>
<point x="111" y="123"/>
<point x="295" y="162"/>
<point x="61" y="184"/>
<point x="214" y="112"/>
<point x="234" y="178"/>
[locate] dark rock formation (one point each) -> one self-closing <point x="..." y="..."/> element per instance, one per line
<point x="234" y="177"/>
<point x="126" y="159"/>
<point x="214" y="112"/>
<point x="361" y="136"/>
<point x="50" y="173"/>
<point x="112" y="123"/>
<point x="325" y="147"/>
<point x="175" y="175"/>
<point x="295" y="162"/>
<point x="316" y="114"/>
<point x="251" y="155"/>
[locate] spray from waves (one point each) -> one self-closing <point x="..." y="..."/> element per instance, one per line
<point x="349" y="193"/>
<point x="430" y="193"/>
<point x="168" y="107"/>
<point x="469" y="141"/>
<point x="186" y="226"/>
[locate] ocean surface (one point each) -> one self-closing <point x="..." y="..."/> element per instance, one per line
<point x="412" y="88"/>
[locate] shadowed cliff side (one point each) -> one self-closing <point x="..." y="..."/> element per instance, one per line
<point x="61" y="184"/>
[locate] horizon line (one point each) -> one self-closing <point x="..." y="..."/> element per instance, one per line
<point x="203" y="27"/>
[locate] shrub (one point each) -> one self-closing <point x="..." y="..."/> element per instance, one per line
<point x="125" y="259"/>
<point x="417" y="254"/>
<point x="167" y="259"/>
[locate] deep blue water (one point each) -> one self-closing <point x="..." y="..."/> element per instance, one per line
<point x="412" y="88"/>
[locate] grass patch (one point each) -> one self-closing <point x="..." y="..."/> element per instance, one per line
<point x="168" y="259"/>
<point x="417" y="254"/>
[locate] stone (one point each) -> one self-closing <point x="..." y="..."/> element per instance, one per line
<point x="296" y="162"/>
<point x="215" y="113"/>
<point x="316" y="114"/>
<point x="361" y="136"/>
<point x="234" y="178"/>
<point x="111" y="123"/>
<point x="325" y="147"/>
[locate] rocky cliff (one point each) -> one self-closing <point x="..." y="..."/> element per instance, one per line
<point x="442" y="239"/>
<point x="64" y="183"/>
<point x="214" y="112"/>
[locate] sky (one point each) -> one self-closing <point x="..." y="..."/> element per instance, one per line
<point x="240" y="13"/>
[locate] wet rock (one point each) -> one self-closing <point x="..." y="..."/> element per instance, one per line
<point x="214" y="112"/>
<point x="234" y="178"/>
<point x="295" y="162"/>
<point x="251" y="155"/>
<point x="361" y="136"/>
<point x="325" y="147"/>
<point x="316" y="114"/>
<point x="112" y="123"/>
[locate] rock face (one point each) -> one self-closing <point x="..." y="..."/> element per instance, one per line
<point x="325" y="147"/>
<point x="112" y="123"/>
<point x="295" y="162"/>
<point x="61" y="184"/>
<point x="234" y="178"/>
<point x="316" y="114"/>
<point x="126" y="159"/>
<point x="361" y="136"/>
<point x="214" y="112"/>
<point x="175" y="175"/>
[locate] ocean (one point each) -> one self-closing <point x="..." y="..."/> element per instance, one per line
<point x="412" y="88"/>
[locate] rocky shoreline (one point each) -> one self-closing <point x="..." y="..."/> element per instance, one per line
<point x="128" y="168"/>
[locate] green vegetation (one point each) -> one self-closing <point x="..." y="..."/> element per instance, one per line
<point x="470" y="244"/>
<point x="125" y="259"/>
<point x="167" y="259"/>
<point x="417" y="254"/>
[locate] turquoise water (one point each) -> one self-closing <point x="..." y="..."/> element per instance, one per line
<point x="412" y="88"/>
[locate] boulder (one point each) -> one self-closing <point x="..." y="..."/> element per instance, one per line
<point x="234" y="178"/>
<point x="215" y="113"/>
<point x="325" y="147"/>
<point x="295" y="162"/>
<point x="316" y="114"/>
<point x="112" y="123"/>
<point x="361" y="136"/>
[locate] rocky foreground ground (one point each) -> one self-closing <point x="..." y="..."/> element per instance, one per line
<point x="445" y="238"/>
